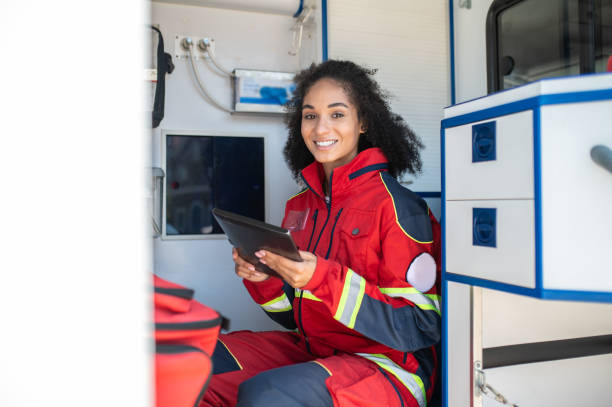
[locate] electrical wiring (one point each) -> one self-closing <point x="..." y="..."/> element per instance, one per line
<point x="202" y="87"/>
<point x="206" y="47"/>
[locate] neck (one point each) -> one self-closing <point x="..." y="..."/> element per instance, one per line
<point x="328" y="171"/>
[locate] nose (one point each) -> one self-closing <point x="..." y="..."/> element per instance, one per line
<point x="322" y="126"/>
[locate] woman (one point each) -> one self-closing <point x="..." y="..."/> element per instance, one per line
<point x="365" y="298"/>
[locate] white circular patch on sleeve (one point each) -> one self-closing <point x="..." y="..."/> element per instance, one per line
<point x="422" y="272"/>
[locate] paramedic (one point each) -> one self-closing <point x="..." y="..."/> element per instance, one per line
<point x="364" y="303"/>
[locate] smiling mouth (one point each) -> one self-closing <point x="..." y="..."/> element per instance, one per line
<point x="325" y="143"/>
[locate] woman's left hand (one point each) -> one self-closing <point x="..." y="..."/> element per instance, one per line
<point x="296" y="273"/>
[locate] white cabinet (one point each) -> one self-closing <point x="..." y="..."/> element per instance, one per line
<point x="525" y="208"/>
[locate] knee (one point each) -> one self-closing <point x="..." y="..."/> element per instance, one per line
<point x="256" y="391"/>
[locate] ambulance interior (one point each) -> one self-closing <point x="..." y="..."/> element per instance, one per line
<point x="216" y="76"/>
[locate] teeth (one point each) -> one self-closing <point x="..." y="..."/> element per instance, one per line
<point x="325" y="143"/>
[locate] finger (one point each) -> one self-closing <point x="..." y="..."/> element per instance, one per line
<point x="306" y="256"/>
<point x="253" y="275"/>
<point x="274" y="260"/>
<point x="290" y="271"/>
<point x="243" y="263"/>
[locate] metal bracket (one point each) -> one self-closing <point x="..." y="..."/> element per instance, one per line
<point x="485" y="389"/>
<point x="157" y="180"/>
<point x="465" y="4"/>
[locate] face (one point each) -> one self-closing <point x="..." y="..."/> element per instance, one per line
<point x="330" y="124"/>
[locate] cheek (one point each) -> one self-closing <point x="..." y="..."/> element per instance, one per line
<point x="305" y="130"/>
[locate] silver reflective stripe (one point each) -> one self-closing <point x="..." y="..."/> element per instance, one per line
<point x="307" y="294"/>
<point x="423" y="301"/>
<point x="350" y="301"/>
<point x="411" y="381"/>
<point x="278" y="304"/>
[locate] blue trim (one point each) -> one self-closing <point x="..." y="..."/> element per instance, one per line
<point x="369" y="168"/>
<point x="452" y="51"/>
<point x="331" y="236"/>
<point x="527" y="104"/>
<point x="548" y="294"/>
<point x="567" y="295"/>
<point x="444" y="285"/>
<point x="494" y="285"/>
<point x="261" y="101"/>
<point x="428" y="194"/>
<point x="299" y="10"/>
<point x="537" y="194"/>
<point x="324" y="27"/>
<point x="531" y="83"/>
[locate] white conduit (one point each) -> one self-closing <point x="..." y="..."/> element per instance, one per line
<point x="282" y="7"/>
<point x="208" y="49"/>
<point x="203" y="88"/>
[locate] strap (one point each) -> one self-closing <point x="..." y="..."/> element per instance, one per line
<point x="164" y="65"/>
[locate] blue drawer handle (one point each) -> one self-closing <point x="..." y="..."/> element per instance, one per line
<point x="483" y="142"/>
<point x="602" y="155"/>
<point x="484" y="227"/>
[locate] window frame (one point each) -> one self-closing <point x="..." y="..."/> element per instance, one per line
<point x="494" y="80"/>
<point x="205" y="133"/>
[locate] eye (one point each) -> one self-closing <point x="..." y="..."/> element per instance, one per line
<point x="337" y="115"/>
<point x="309" y="116"/>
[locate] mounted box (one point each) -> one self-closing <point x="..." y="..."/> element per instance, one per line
<point x="262" y="91"/>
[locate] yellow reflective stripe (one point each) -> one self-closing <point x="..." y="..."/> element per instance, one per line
<point x="306" y="294"/>
<point x="395" y="210"/>
<point x="435" y="298"/>
<point x="350" y="301"/>
<point x="360" y="294"/>
<point x="279" y="304"/>
<point x="299" y="193"/>
<point x="322" y="365"/>
<point x="344" y="296"/>
<point x="231" y="354"/>
<point x="423" y="301"/>
<point x="410" y="380"/>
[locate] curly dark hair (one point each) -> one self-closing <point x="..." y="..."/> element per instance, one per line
<point x="384" y="129"/>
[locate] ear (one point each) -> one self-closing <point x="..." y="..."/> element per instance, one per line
<point x="362" y="128"/>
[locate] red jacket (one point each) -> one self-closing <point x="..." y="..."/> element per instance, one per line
<point x="367" y="236"/>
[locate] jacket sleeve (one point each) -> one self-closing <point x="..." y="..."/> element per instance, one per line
<point x="275" y="297"/>
<point x="391" y="312"/>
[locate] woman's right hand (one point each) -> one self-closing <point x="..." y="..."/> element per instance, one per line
<point x="246" y="270"/>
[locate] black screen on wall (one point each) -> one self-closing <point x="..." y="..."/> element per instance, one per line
<point x="204" y="172"/>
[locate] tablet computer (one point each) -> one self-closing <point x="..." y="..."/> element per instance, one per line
<point x="249" y="235"/>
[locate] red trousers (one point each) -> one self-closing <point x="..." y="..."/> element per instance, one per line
<point x="275" y="369"/>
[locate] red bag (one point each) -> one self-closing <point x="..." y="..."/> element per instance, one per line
<point x="185" y="337"/>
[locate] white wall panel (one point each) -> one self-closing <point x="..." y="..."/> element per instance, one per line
<point x="407" y="41"/>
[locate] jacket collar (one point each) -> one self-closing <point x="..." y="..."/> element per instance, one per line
<point x="362" y="167"/>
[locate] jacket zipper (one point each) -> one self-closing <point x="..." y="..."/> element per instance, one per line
<point x="314" y="227"/>
<point x="323" y="228"/>
<point x="328" y="203"/>
<point x="331" y="237"/>
<point x="301" y="324"/>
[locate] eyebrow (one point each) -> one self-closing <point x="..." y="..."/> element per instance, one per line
<point x="332" y="105"/>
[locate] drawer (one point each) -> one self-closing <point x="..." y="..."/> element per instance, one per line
<point x="576" y="197"/>
<point x="491" y="240"/>
<point x="491" y="159"/>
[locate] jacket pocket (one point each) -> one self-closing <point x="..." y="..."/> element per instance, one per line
<point x="356" y="231"/>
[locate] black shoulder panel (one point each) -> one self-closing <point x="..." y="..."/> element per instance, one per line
<point x="411" y="210"/>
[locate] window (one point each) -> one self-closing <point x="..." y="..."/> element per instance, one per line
<point x="204" y="172"/>
<point x="532" y="39"/>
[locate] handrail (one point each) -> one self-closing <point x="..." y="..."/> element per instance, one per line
<point x="501" y="356"/>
